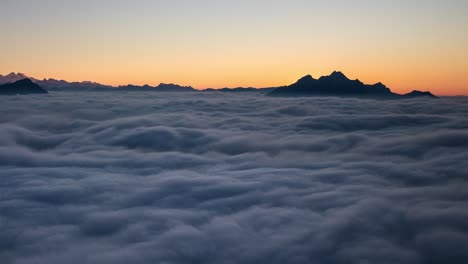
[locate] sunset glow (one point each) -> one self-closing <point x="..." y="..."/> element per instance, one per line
<point x="409" y="45"/>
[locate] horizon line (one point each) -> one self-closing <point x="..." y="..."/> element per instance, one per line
<point x="27" y="76"/>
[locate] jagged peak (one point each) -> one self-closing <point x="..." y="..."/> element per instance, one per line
<point x="380" y="84"/>
<point x="338" y="74"/>
<point x="18" y="75"/>
<point x="306" y="78"/>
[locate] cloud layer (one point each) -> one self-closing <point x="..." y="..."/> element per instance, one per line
<point x="210" y="178"/>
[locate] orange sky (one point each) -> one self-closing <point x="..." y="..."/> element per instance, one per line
<point x="404" y="44"/>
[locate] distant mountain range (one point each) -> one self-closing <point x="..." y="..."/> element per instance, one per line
<point x="53" y="84"/>
<point x="335" y="84"/>
<point x="163" y="87"/>
<point x="240" y="90"/>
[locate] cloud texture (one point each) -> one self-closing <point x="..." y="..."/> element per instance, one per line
<point x="238" y="178"/>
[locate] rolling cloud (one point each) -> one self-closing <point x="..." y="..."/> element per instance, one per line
<point x="244" y="178"/>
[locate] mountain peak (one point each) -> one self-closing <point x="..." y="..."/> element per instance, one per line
<point x="380" y="85"/>
<point x="417" y="93"/>
<point x="338" y="75"/>
<point x="306" y="79"/>
<point x="12" y="77"/>
<point x="24" y="86"/>
<point x="16" y="75"/>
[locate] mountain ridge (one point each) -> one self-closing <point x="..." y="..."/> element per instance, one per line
<point x="335" y="84"/>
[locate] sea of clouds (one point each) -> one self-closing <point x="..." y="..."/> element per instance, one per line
<point x="232" y="178"/>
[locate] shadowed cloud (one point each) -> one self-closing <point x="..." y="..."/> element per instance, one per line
<point x="210" y="178"/>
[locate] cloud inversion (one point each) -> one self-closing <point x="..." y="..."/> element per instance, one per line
<point x="210" y="178"/>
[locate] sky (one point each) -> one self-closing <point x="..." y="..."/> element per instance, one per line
<point x="406" y="45"/>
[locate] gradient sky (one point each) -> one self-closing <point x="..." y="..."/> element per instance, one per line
<point x="213" y="43"/>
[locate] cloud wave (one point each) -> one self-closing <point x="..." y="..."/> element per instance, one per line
<point x="210" y="178"/>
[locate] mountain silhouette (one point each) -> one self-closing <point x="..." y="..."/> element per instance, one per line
<point x="163" y="87"/>
<point x="24" y="86"/>
<point x="61" y="85"/>
<point x="53" y="84"/>
<point x="170" y="87"/>
<point x="12" y="77"/>
<point x="240" y="90"/>
<point x="337" y="84"/>
<point x="416" y="93"/>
